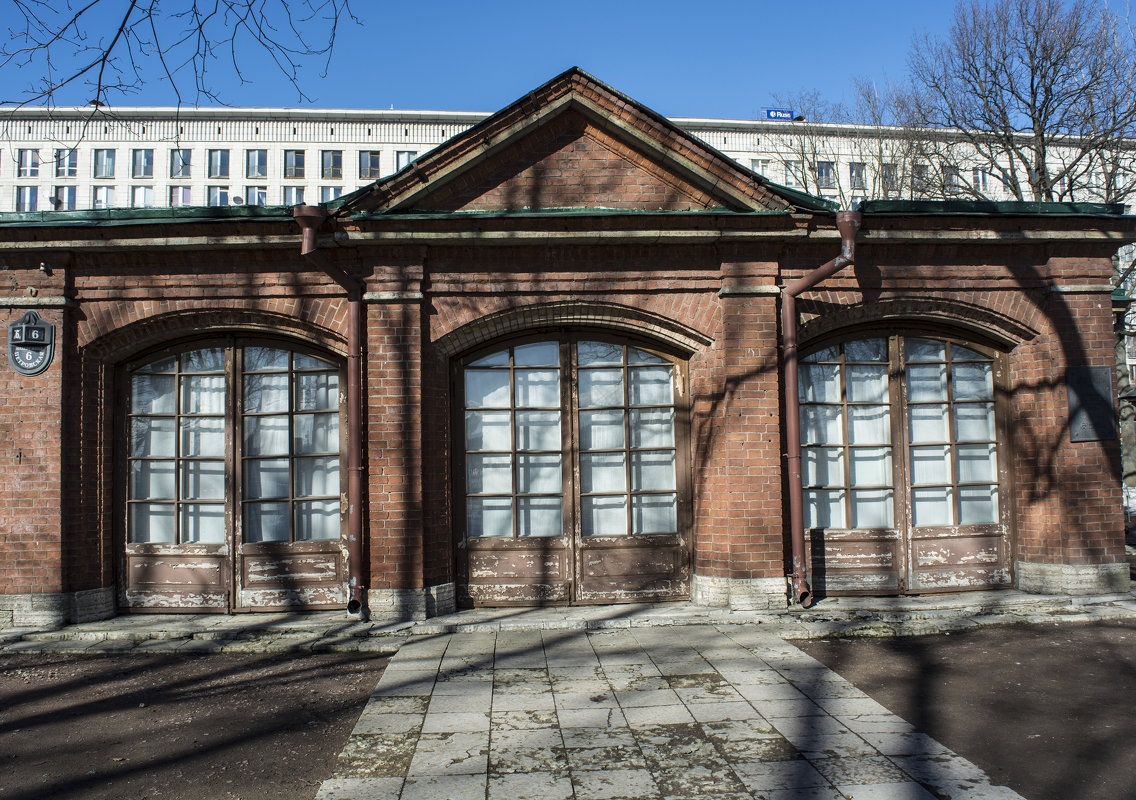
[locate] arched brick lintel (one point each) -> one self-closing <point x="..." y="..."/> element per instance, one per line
<point x="1002" y="330"/>
<point x="609" y="316"/>
<point x="144" y="334"/>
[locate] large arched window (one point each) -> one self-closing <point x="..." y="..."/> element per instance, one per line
<point x="575" y="439"/>
<point x="233" y="448"/>
<point x="899" y="436"/>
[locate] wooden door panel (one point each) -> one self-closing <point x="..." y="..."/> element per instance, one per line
<point x="855" y="562"/>
<point x="632" y="568"/>
<point x="956" y="559"/>
<point x="297" y="575"/>
<point x="183" y="577"/>
<point x="516" y="571"/>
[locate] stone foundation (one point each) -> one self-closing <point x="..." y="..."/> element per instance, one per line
<point x="739" y="594"/>
<point x="1073" y="579"/>
<point x="394" y="605"/>
<point x="55" y="609"/>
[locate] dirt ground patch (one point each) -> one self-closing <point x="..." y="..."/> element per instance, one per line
<point x="1044" y="709"/>
<point x="189" y="727"/>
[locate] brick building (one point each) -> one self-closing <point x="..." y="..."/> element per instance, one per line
<point x="546" y="365"/>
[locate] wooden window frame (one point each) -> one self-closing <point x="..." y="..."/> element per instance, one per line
<point x="900" y="444"/>
<point x="569" y="408"/>
<point x="234" y="417"/>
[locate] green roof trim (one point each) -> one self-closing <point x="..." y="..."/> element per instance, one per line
<point x="146" y="216"/>
<point x="992" y="208"/>
<point x="528" y="213"/>
<point x="804" y="200"/>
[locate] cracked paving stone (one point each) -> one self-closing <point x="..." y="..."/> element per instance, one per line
<point x="699" y="781"/>
<point x="360" y="789"/>
<point x="859" y="769"/>
<point x="527" y="751"/>
<point x="614" y="784"/>
<point x="886" y="791"/>
<point x="521" y="720"/>
<point x="905" y="744"/>
<point x="737" y="749"/>
<point x="768" y="775"/>
<point x="409" y="724"/>
<point x="375" y="756"/>
<point x="591" y="718"/>
<point x="450" y="754"/>
<point x="451" y="787"/>
<point x="396" y="705"/>
<point x="531" y="786"/>
<point x="523" y="701"/>
<point x="838" y="745"/>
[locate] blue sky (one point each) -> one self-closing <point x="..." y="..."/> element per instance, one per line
<point x="708" y="59"/>
<point x="717" y="58"/>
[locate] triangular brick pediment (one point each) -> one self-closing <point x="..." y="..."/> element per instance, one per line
<point x="569" y="163"/>
<point x="573" y="143"/>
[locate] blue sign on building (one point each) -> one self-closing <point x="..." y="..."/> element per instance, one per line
<point x="780" y="114"/>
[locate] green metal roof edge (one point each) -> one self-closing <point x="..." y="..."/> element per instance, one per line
<point x="992" y="208"/>
<point x="144" y="216"/>
<point x="810" y="202"/>
<point x="568" y="212"/>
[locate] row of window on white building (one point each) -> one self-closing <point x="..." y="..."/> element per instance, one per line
<point x="217" y="167"/>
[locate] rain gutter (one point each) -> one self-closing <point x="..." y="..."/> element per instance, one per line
<point x="310" y="218"/>
<point x="848" y="223"/>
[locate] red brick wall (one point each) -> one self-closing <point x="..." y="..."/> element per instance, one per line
<point x="569" y="163"/>
<point x="57" y="501"/>
<point x="31" y="484"/>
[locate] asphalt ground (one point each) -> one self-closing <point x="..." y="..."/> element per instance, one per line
<point x="1047" y="709"/>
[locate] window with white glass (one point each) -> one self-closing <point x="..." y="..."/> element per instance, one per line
<point x="218" y="195"/>
<point x="856" y="173"/>
<point x="66" y="163"/>
<point x="826" y="174"/>
<point x="27" y="164"/>
<point x="102" y="197"/>
<point x="331" y="164"/>
<point x="403" y="157"/>
<point x="293" y="164"/>
<point x="233" y="441"/>
<point x="142" y="164"/>
<point x="27" y="198"/>
<point x="256" y="163"/>
<point x="63" y="198"/>
<point x="218" y="163"/>
<point x="542" y="448"/>
<point x="104" y="164"/>
<point x="369" y="163"/>
<point x="256" y="195"/>
<point x="141" y="196"/>
<point x="293" y="195"/>
<point x="793" y="174"/>
<point x="180" y="163"/>
<point x="329" y="193"/>
<point x="901" y="428"/>
<point x="180" y="196"/>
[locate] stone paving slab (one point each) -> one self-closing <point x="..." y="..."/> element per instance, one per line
<point x="632" y="723"/>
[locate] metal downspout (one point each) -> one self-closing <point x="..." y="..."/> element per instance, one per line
<point x="310" y="218"/>
<point x="848" y="223"/>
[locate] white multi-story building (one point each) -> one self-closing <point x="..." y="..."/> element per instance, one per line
<point x="78" y="158"/>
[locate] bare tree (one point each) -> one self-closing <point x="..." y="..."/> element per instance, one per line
<point x="111" y="48"/>
<point x="1039" y="97"/>
<point x="865" y="151"/>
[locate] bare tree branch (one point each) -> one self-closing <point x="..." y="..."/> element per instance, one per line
<point x="110" y="48"/>
<point x="1038" y="94"/>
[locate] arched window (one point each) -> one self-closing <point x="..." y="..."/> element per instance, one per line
<point x="575" y="440"/>
<point x="233" y="448"/>
<point x="899" y="437"/>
